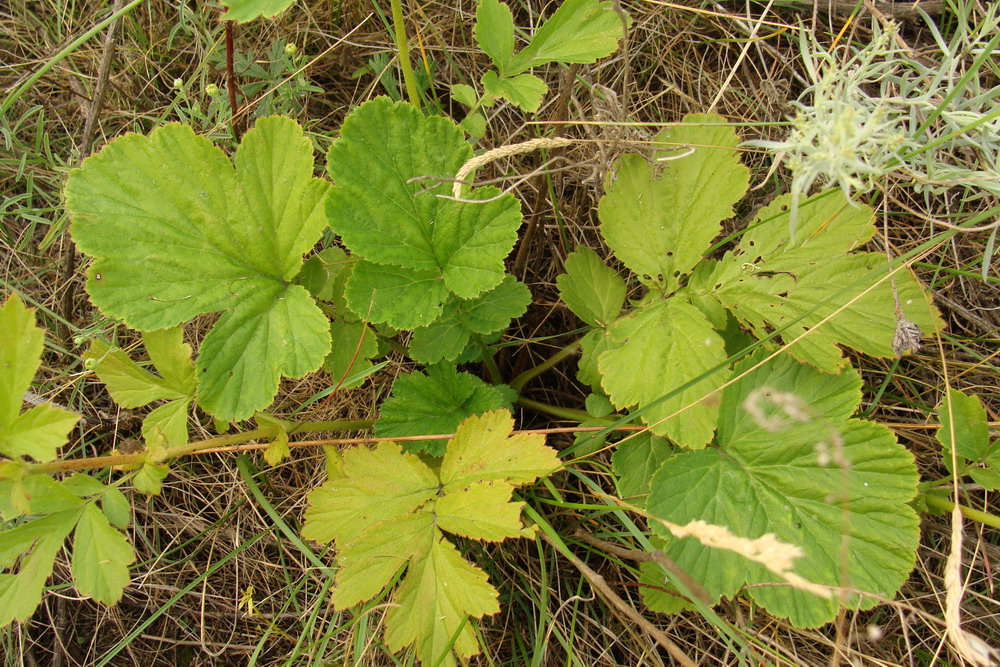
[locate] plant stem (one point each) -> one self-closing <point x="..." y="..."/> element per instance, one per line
<point x="562" y="413"/>
<point x="942" y="503"/>
<point x="399" y="27"/>
<point x="524" y="378"/>
<point x="193" y="447"/>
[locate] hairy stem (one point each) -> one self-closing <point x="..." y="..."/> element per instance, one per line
<point x="404" y="53"/>
<point x="940" y="502"/>
<point x="527" y="376"/>
<point x="194" y="447"/>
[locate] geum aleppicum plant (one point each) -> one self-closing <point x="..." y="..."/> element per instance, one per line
<point x="767" y="446"/>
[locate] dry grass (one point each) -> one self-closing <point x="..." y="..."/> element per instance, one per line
<point x="206" y="544"/>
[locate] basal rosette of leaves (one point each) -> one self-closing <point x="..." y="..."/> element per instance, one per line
<point x="788" y="460"/>
<point x="422" y="261"/>
<point x="387" y="510"/>
<point x="666" y="356"/>
<point x="178" y="230"/>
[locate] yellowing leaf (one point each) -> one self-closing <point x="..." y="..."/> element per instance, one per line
<point x="370" y="562"/>
<point x="483" y="449"/>
<point x="378" y="484"/>
<point x="481" y="511"/>
<point x="438" y="594"/>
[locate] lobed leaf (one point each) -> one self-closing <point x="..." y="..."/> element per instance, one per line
<point x="436" y="403"/>
<point x="807" y="481"/>
<point x="657" y="350"/>
<point x="244" y="11"/>
<point x="178" y="231"/>
<point x="964" y="429"/>
<point x="676" y="208"/>
<point x="389" y="164"/>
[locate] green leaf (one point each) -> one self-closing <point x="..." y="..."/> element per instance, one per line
<point x="245" y="11"/>
<point x="592" y="346"/>
<point x="492" y="311"/>
<point x="635" y="460"/>
<point x="178" y="232"/>
<point x="494" y="32"/>
<point x="171" y="357"/>
<point x="656" y="350"/>
<point x="19" y="356"/>
<point x="659" y="221"/>
<point x="805" y="478"/>
<point x="42" y="430"/>
<point x="964" y="428"/>
<point x="389" y="213"/>
<point x="523" y="90"/>
<point x="988" y="478"/>
<point x="130" y="385"/>
<point x="580" y="31"/>
<point x="481" y="511"/>
<point x="354" y="344"/>
<point x="41" y="540"/>
<point x="116" y="508"/>
<point x="482" y="449"/>
<point x="464" y="94"/>
<point x="402" y="298"/>
<point x="474" y="124"/>
<point x="435" y="403"/>
<point x="149" y="478"/>
<point x="170" y="421"/>
<point x="82" y="485"/>
<point x="325" y="274"/>
<point x="101" y="556"/>
<point x="591" y="289"/>
<point x="436" y="598"/>
<point x="770" y="281"/>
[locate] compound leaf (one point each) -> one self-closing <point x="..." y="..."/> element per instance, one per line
<point x="580" y="31"/>
<point x="40" y="431"/>
<point x="436" y="403"/>
<point x="814" y="283"/>
<point x="660" y="220"/>
<point x="590" y="288"/>
<point x="38" y="542"/>
<point x="481" y="511"/>
<point x="101" y="556"/>
<point x="370" y="561"/>
<point x="386" y="206"/>
<point x="386" y="510"/>
<point x="806" y="481"/>
<point x="494" y="33"/>
<point x="657" y="349"/>
<point x="178" y="232"/>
